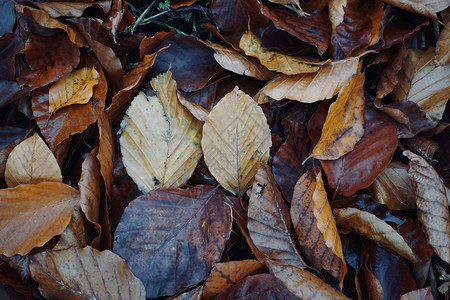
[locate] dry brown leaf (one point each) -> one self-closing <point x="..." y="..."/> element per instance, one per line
<point x="269" y="222"/>
<point x="75" y="233"/>
<point x="277" y="61"/>
<point x="442" y="56"/>
<point x="309" y="88"/>
<point x="393" y="188"/>
<point x="424" y="83"/>
<point x="84" y="273"/>
<point x="238" y="63"/>
<point x="432" y="204"/>
<point x="57" y="9"/>
<point x="236" y="141"/>
<point x="73" y="88"/>
<point x="31" y="162"/>
<point x="224" y="275"/>
<point x="30" y="215"/>
<point x="302" y="283"/>
<point x="344" y="125"/>
<point x="160" y="140"/>
<point x="427" y="8"/>
<point x="314" y="224"/>
<point x="422" y="146"/>
<point x="196" y="110"/>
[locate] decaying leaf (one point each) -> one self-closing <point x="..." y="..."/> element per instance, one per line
<point x="269" y="222"/>
<point x="314" y="224"/>
<point x="71" y="9"/>
<point x="84" y="273"/>
<point x="427" y="8"/>
<point x="302" y="283"/>
<point x="31" y="162"/>
<point x="75" y="233"/>
<point x="344" y="125"/>
<point x="424" y="83"/>
<point x="31" y="214"/>
<point x="432" y="204"/>
<point x="276" y="61"/>
<point x="442" y="56"/>
<point x="236" y="141"/>
<point x="73" y="88"/>
<point x="160" y="140"/>
<point x="171" y="237"/>
<point x="309" y="88"/>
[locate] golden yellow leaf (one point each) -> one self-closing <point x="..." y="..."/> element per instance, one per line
<point x="236" y="141"/>
<point x="344" y="125"/>
<point x="310" y="87"/>
<point x="160" y="138"/>
<point x="424" y="83"/>
<point x="315" y="226"/>
<point x="277" y="61"/>
<point x="73" y="88"/>
<point x="31" y="162"/>
<point x="442" y="56"/>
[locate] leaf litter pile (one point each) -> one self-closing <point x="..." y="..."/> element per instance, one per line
<point x="225" y="149"/>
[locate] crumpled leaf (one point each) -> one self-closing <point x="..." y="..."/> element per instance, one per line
<point x="224" y="275"/>
<point x="276" y="61"/>
<point x="427" y="8"/>
<point x="236" y="141"/>
<point x="424" y="83"/>
<point x="70" y="9"/>
<point x="309" y="88"/>
<point x="269" y="222"/>
<point x="75" y="233"/>
<point x="442" y="56"/>
<point x="389" y="78"/>
<point x="314" y="224"/>
<point x="84" y="273"/>
<point x="344" y="125"/>
<point x="31" y="162"/>
<point x="171" y="237"/>
<point x="393" y="187"/>
<point x="73" y="88"/>
<point x="302" y="283"/>
<point x="160" y="140"/>
<point x="419" y="294"/>
<point x="432" y="204"/>
<point x="31" y="214"/>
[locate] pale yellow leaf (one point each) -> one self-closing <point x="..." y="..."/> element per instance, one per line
<point x="277" y="61"/>
<point x="31" y="162"/>
<point x="311" y="87"/>
<point x="236" y="141"/>
<point x="76" y="87"/>
<point x="160" y="140"/>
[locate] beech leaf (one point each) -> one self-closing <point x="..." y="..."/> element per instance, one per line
<point x="73" y="88"/>
<point x="31" y="161"/>
<point x="84" y="273"/>
<point x="432" y="204"/>
<point x="171" y="237"/>
<point x="236" y="141"/>
<point x="442" y="56"/>
<point x="160" y="138"/>
<point x="269" y="222"/>
<point x="31" y="214"/>
<point x="344" y="125"/>
<point x="315" y="226"/>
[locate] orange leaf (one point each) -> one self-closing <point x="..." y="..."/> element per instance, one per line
<point x="30" y="215"/>
<point x="344" y="125"/>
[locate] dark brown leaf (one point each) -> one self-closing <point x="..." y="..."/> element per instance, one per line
<point x="10" y="45"/>
<point x="148" y="44"/>
<point x="389" y="78"/>
<point x="171" y="238"/>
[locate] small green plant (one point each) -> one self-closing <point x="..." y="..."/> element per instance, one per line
<point x="164" y="5"/>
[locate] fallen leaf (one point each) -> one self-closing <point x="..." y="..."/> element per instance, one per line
<point x="420" y="294"/>
<point x="424" y="83"/>
<point x="269" y="222"/>
<point x="196" y="110"/>
<point x="169" y="253"/>
<point x="389" y="78"/>
<point x="32" y="214"/>
<point x="236" y="141"/>
<point x="422" y="146"/>
<point x="314" y="224"/>
<point x="224" y="275"/>
<point x="75" y="233"/>
<point x="238" y="63"/>
<point x="276" y="61"/>
<point x="432" y="204"/>
<point x="309" y="88"/>
<point x="302" y="283"/>
<point x="57" y="9"/>
<point x="391" y="229"/>
<point x="10" y="137"/>
<point x="73" y="88"/>
<point x="393" y="187"/>
<point x="160" y="140"/>
<point x="7" y="16"/>
<point x="427" y="8"/>
<point x="257" y="287"/>
<point x="10" y="45"/>
<point x="344" y="124"/>
<point x="84" y="273"/>
<point x="442" y="55"/>
<point x="31" y="162"/>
